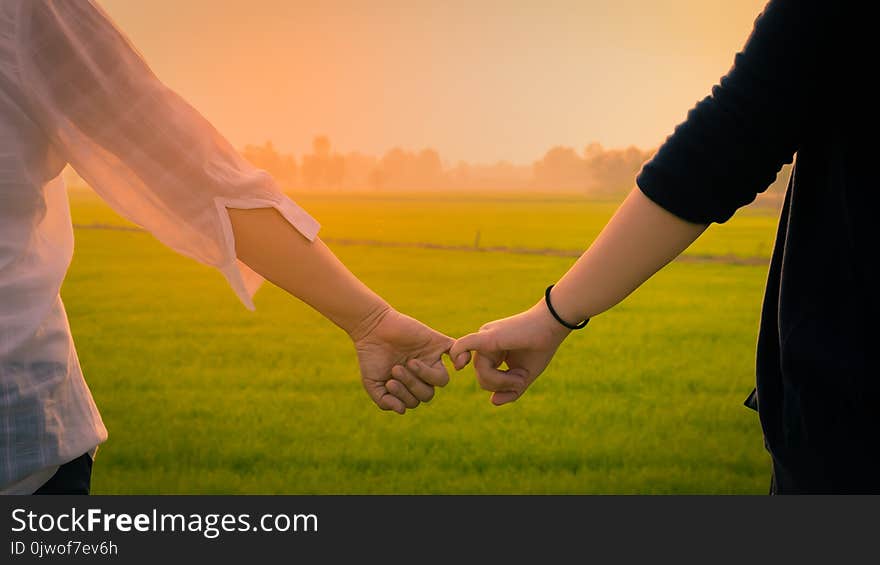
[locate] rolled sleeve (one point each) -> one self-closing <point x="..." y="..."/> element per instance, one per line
<point x="154" y="158"/>
<point x="734" y="142"/>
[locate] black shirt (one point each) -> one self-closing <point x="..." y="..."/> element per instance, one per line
<point x="798" y="87"/>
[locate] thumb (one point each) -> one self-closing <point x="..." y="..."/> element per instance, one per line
<point x="460" y="350"/>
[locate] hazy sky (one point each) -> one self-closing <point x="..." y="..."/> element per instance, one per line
<point x="480" y="80"/>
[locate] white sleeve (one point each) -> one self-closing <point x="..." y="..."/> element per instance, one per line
<point x="144" y="150"/>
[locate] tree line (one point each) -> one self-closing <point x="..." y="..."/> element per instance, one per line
<point x="594" y="171"/>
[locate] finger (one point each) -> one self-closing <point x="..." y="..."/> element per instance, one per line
<point x="390" y="402"/>
<point x="383" y="399"/>
<point x="396" y="389"/>
<point x="435" y="374"/>
<point x="461" y="361"/>
<point x="495" y="380"/>
<point x="447" y="343"/>
<point x="505" y="397"/>
<point x="418" y="388"/>
<point x="471" y="342"/>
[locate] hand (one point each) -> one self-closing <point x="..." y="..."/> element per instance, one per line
<point x="400" y="360"/>
<point x="525" y="342"/>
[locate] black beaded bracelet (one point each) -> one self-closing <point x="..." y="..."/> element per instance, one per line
<point x="559" y="319"/>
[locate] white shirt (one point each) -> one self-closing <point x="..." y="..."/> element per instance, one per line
<point x="74" y="90"/>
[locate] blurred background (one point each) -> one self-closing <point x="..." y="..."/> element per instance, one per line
<point x="459" y="155"/>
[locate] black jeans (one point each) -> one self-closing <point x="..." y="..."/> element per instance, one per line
<point x="71" y="478"/>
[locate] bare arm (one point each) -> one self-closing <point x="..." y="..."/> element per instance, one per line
<point x="269" y="245"/>
<point x="638" y="241"/>
<point x="391" y="347"/>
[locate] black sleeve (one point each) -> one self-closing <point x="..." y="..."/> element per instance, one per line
<point x="736" y="140"/>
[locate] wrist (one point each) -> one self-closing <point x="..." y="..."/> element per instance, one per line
<point x="563" y="315"/>
<point x="548" y="324"/>
<point x="368" y="320"/>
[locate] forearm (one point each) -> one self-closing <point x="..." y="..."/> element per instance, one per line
<point x="269" y="245"/>
<point x="638" y="241"/>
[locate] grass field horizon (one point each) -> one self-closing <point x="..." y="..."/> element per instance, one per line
<point x="202" y="396"/>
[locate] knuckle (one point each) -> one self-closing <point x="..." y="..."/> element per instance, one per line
<point x="492" y="342"/>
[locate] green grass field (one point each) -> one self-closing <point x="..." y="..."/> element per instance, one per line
<point x="202" y="396"/>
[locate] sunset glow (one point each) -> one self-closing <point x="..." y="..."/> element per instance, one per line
<point x="476" y="80"/>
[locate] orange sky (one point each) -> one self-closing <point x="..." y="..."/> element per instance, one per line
<point x="480" y="80"/>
